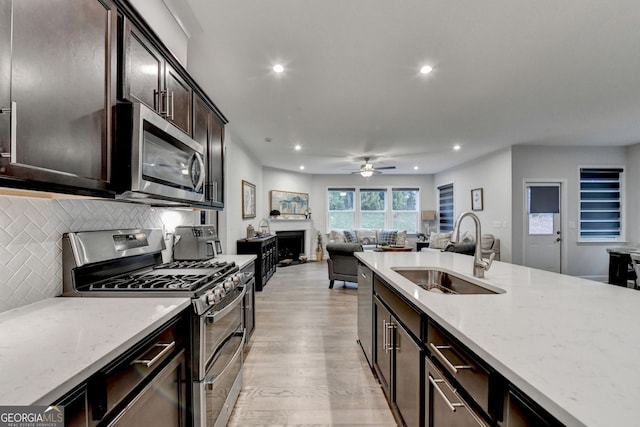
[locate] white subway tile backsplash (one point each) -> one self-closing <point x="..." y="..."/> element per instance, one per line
<point x="31" y="234"/>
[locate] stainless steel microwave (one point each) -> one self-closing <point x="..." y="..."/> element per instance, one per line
<point x="154" y="161"/>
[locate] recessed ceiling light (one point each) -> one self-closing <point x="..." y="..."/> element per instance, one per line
<point x="426" y="69"/>
<point x="302" y="167"/>
<point x="267" y="140"/>
<point x="415" y="168"/>
<point x="298" y="147"/>
<point x="457" y="147"/>
<point x="278" y="68"/>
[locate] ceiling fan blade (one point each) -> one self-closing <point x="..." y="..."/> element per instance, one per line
<point x="385" y="167"/>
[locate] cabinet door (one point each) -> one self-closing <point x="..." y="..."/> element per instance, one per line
<point x="383" y="346"/>
<point x="178" y="99"/>
<point x="62" y="91"/>
<point x="520" y="413"/>
<point x="5" y="77"/>
<point x="444" y="407"/>
<point x="408" y="366"/>
<point x="216" y="161"/>
<point x="143" y="73"/>
<point x="162" y="402"/>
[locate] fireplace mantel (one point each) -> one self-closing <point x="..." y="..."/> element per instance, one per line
<point x="294" y="225"/>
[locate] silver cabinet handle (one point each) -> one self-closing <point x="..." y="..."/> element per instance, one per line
<point x="384" y="335"/>
<point x="364" y="276"/>
<point x="14" y="130"/>
<point x="451" y="406"/>
<point x="443" y="358"/>
<point x="170" y="105"/>
<point x="391" y="326"/>
<point x="149" y="362"/>
<point x="13" y="110"/>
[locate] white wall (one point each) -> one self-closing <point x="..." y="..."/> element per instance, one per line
<point x="492" y="173"/>
<point x="588" y="260"/>
<point x="633" y="195"/>
<point x="320" y="184"/>
<point x="239" y="165"/>
<point x="157" y="15"/>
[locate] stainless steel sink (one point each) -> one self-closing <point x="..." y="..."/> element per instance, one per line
<point x="444" y="282"/>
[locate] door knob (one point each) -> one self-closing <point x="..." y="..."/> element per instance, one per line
<point x="558" y="239"/>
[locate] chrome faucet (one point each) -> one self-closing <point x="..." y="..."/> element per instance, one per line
<point x="479" y="265"/>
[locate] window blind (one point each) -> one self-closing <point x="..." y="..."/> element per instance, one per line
<point x="600" y="203"/>
<point x="446" y="207"/>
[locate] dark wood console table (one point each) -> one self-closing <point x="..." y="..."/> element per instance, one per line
<point x="266" y="249"/>
<point x="620" y="267"/>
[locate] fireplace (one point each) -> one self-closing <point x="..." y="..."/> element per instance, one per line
<point x="290" y="244"/>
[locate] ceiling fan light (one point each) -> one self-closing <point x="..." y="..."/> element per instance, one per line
<point x="366" y="173"/>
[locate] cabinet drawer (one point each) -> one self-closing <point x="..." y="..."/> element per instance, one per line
<point x="460" y="364"/>
<point x="401" y="309"/>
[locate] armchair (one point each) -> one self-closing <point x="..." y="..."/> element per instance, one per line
<point x="342" y="264"/>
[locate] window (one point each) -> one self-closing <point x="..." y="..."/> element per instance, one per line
<point x="446" y="207"/>
<point x="372" y="209"/>
<point x="600" y="203"/>
<point x="405" y="209"/>
<point x="342" y="208"/>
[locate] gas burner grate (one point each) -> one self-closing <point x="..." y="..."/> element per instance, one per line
<point x="194" y="264"/>
<point x="185" y="282"/>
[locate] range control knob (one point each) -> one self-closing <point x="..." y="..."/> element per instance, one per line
<point x="228" y="284"/>
<point x="211" y="298"/>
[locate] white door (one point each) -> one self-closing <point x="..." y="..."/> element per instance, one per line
<point x="543" y="241"/>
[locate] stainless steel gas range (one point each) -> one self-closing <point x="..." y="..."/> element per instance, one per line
<point x="128" y="263"/>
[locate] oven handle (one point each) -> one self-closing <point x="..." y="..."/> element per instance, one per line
<point x="211" y="317"/>
<point x="210" y="381"/>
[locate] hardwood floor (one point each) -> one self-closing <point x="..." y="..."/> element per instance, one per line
<point x="304" y="365"/>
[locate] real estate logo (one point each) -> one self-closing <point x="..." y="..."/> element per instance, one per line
<point x="31" y="416"/>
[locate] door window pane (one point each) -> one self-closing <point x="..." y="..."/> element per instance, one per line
<point x="541" y="223"/>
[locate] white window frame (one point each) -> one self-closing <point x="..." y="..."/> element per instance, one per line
<point x="621" y="237"/>
<point x="388" y="206"/>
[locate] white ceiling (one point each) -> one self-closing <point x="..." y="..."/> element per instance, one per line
<point x="549" y="72"/>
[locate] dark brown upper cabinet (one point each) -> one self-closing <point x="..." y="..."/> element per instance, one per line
<point x="208" y="130"/>
<point x="57" y="90"/>
<point x="147" y="77"/>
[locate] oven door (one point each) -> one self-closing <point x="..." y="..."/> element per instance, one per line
<point x="165" y="161"/>
<point x="215" y="396"/>
<point x="213" y="329"/>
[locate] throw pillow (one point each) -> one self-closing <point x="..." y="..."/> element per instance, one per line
<point x="439" y="240"/>
<point x="389" y="236"/>
<point x="336" y="236"/>
<point x="370" y="235"/>
<point x="350" y="236"/>
<point x="401" y="239"/>
<point x="368" y="241"/>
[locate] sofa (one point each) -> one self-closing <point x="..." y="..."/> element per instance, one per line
<point x="466" y="245"/>
<point x="342" y="264"/>
<point x="369" y="239"/>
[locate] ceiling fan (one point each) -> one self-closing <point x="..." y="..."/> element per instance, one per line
<point x="367" y="169"/>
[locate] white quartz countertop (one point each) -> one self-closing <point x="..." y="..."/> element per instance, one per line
<point x="570" y="344"/>
<point x="49" y="347"/>
<point x="240" y="260"/>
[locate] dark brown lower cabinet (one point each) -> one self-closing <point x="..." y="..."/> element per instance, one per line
<point x="519" y="411"/>
<point x="161" y="402"/>
<point x="397" y="361"/>
<point x="444" y="406"/>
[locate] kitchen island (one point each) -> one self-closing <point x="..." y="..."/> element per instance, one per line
<point x="569" y="344"/>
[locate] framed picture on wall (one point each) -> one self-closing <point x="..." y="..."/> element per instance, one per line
<point x="248" y="200"/>
<point x="289" y="202"/>
<point x="476" y="199"/>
